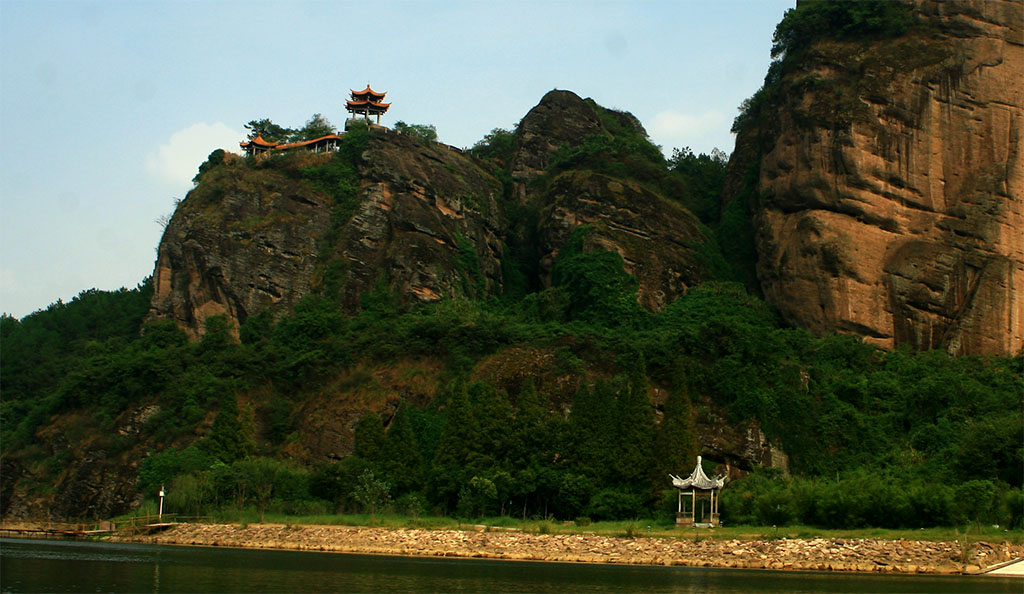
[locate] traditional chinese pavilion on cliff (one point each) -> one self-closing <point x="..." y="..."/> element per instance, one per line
<point x="367" y="103"/>
<point x="364" y="103"/>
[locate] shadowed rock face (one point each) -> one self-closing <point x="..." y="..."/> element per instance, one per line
<point x="892" y="185"/>
<point x="657" y="238"/>
<point x="428" y="225"/>
<point x="561" y="118"/>
<point x="242" y="241"/>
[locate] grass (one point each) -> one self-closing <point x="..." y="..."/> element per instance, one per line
<point x="627" y="529"/>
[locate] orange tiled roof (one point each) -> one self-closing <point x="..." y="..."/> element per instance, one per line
<point x="258" y="142"/>
<point x="367" y="91"/>
<point x="374" y="103"/>
<point x="307" y="142"/>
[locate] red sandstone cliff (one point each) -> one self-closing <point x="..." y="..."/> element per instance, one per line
<point x="892" y="184"/>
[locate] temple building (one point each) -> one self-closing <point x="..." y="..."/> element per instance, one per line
<point x="257" y="147"/>
<point x="698" y="498"/>
<point x="367" y="103"/>
<point x="364" y="103"/>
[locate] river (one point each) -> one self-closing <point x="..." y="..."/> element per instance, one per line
<point x="76" y="566"/>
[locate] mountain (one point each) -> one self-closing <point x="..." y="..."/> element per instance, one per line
<point x="554" y="320"/>
<point x="890" y="176"/>
<point x="420" y="220"/>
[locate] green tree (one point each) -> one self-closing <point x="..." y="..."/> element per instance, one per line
<point x="676" y="439"/>
<point x="815" y="19"/>
<point x="456" y="446"/>
<point x="316" y="127"/>
<point x="600" y="290"/>
<point x="372" y="492"/>
<point x="270" y="131"/>
<point x="369" y="438"/>
<point x="498" y="144"/>
<point x="400" y="456"/>
<point x="261" y="475"/>
<point x="229" y="440"/>
<point x="476" y="497"/>
<point x="703" y="177"/>
<point x="592" y="427"/>
<point x="421" y="132"/>
<point x="635" y="431"/>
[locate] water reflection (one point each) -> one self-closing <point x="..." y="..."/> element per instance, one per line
<point x="56" y="566"/>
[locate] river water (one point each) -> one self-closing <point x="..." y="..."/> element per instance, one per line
<point x="68" y="566"/>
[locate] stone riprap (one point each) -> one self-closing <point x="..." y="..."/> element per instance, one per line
<point x="818" y="554"/>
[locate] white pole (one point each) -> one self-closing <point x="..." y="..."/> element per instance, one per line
<point x="160" y="515"/>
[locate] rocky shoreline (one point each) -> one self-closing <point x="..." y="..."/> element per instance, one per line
<point x="818" y="554"/>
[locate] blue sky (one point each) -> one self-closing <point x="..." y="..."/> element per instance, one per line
<point x="107" y="108"/>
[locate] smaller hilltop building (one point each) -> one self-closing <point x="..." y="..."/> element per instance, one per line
<point x="258" y="147"/>
<point x="366" y="103"/>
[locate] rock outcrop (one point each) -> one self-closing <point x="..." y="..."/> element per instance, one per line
<point x="892" y="184"/>
<point x="659" y="240"/>
<point x="561" y="118"/>
<point x="429" y="224"/>
<point x="426" y="223"/>
<point x="243" y="240"/>
<point x="252" y="237"/>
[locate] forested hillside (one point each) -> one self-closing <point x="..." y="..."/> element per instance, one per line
<point x="545" y="325"/>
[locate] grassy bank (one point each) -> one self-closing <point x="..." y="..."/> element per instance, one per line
<point x="626" y="529"/>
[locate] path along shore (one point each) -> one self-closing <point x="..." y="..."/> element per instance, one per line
<point x="818" y="554"/>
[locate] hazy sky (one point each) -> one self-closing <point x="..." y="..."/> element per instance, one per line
<point x="107" y="108"/>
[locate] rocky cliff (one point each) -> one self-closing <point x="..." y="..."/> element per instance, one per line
<point x="423" y="223"/>
<point x="660" y="241"/>
<point x="421" y="220"/>
<point x="891" y="184"/>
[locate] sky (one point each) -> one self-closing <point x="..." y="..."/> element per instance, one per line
<point x="108" y="108"/>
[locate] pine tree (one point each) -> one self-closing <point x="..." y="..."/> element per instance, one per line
<point x="456" y="444"/>
<point x="634" y="456"/>
<point x="400" y="456"/>
<point x="593" y="429"/>
<point x="676" y="440"/>
<point x="369" y="438"/>
<point x="229" y="440"/>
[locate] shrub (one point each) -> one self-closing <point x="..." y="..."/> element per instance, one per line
<point x="614" y="504"/>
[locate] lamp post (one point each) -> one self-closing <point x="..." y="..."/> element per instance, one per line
<point x="160" y="514"/>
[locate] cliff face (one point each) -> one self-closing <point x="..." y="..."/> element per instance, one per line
<point x="658" y="239"/>
<point x="892" y="184"/>
<point x="252" y="237"/>
<point x="426" y="223"/>
<point x="243" y="240"/>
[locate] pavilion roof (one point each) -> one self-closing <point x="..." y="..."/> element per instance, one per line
<point x="367" y="102"/>
<point x="307" y="142"/>
<point x="698" y="480"/>
<point x="367" y="92"/>
<point x="258" y="141"/>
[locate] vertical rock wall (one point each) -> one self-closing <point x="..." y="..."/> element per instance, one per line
<point x="892" y="185"/>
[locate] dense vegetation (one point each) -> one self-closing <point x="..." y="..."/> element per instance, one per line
<point x="890" y="439"/>
<point x="813" y="20"/>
